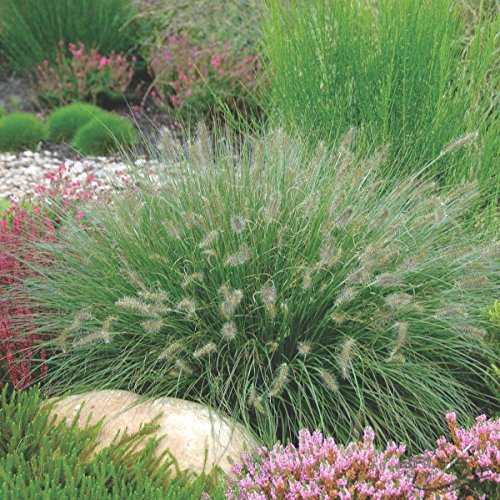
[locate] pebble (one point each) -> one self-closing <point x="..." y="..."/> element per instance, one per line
<point x="21" y="173"/>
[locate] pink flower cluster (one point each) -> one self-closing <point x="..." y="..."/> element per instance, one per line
<point x="466" y="466"/>
<point x="190" y="77"/>
<point x="80" y="75"/>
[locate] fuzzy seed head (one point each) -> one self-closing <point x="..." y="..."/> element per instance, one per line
<point x="192" y="278"/>
<point x="329" y="380"/>
<point x="268" y="293"/>
<point x="255" y="401"/>
<point x="158" y="296"/>
<point x="459" y="143"/>
<point x="387" y="280"/>
<point x="338" y="317"/>
<point x="205" y="350"/>
<point x="398" y="300"/>
<point x="306" y="281"/>
<point x="209" y="239"/>
<point x="450" y="312"/>
<point x="347" y="295"/>
<point x="304" y="348"/>
<point x="472" y="331"/>
<point x="187" y="306"/>
<point x="272" y="209"/>
<point x="238" y="224"/>
<point x="280" y="380"/>
<point x="183" y="367"/>
<point x="170" y="350"/>
<point x="152" y="325"/>
<point x="173" y="229"/>
<point x="140" y="307"/>
<point x="229" y="331"/>
<point x="472" y="282"/>
<point x="345" y="357"/>
<point x="243" y="255"/>
<point x="329" y="255"/>
<point x="359" y="276"/>
<point x="401" y="336"/>
<point x="231" y="302"/>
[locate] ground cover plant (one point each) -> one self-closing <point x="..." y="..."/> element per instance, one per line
<point x="19" y="131"/>
<point x="246" y="281"/>
<point x="409" y="73"/>
<point x="465" y="466"/>
<point x="41" y="458"/>
<point x="31" y="29"/>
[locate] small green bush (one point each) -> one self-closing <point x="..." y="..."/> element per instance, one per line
<point x="19" y="131"/>
<point x="290" y="291"/>
<point x="103" y="134"/>
<point x="42" y="459"/>
<point x="64" y="122"/>
<point x="2" y="111"/>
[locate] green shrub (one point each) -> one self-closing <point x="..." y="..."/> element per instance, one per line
<point x="32" y="29"/>
<point x="64" y="122"/>
<point x="19" y="131"/>
<point x="41" y="459"/>
<point x="103" y="134"/>
<point x="404" y="71"/>
<point x="290" y="292"/>
<point x="2" y="111"/>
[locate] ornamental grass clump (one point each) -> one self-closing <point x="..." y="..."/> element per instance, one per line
<point x="285" y="288"/>
<point x="467" y="466"/>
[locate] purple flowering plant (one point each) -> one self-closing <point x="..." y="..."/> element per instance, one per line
<point x="465" y="466"/>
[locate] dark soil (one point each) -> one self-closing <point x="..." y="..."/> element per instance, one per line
<point x="16" y="94"/>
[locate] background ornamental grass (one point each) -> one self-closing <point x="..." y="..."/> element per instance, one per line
<point x="414" y="75"/>
<point x="289" y="290"/>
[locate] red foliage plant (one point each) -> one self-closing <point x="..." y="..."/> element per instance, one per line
<point x="20" y="228"/>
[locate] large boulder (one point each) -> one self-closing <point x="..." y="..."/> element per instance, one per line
<point x="198" y="437"/>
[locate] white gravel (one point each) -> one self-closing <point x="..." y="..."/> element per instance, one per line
<point x="21" y="173"/>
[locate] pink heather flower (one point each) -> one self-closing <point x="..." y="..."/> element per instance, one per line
<point x="103" y="61"/>
<point x="319" y="468"/>
<point x="80" y="215"/>
<point x="188" y="92"/>
<point x="215" y="61"/>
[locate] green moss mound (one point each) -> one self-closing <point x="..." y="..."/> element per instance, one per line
<point x="19" y="131"/>
<point x="42" y="459"/>
<point x="103" y="134"/>
<point x="66" y="121"/>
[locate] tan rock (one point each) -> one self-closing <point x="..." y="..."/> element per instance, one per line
<point x="198" y="437"/>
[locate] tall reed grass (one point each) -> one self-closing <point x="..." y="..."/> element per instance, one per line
<point x="409" y="74"/>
